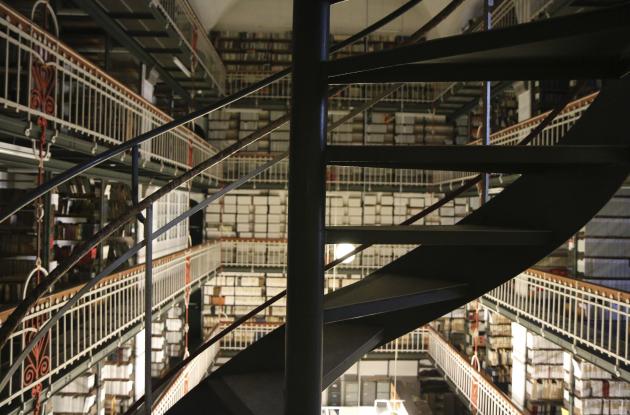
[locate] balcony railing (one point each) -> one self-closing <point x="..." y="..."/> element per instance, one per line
<point x="53" y="88"/>
<point x="481" y="394"/>
<point x="257" y="253"/>
<point x="110" y="309"/>
<point x="412" y="93"/>
<point x="340" y="176"/>
<point x="594" y="317"/>
<point x="241" y="338"/>
<point x="590" y="315"/>
<point x="188" y="378"/>
<point x="472" y="385"/>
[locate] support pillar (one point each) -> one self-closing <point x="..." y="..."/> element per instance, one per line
<point x="487" y="95"/>
<point x="305" y="285"/>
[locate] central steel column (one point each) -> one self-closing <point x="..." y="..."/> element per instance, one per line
<point x="487" y="98"/>
<point x="305" y="285"/>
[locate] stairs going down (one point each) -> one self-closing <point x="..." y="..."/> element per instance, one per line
<point x="559" y="191"/>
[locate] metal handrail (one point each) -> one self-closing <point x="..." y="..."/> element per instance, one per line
<point x="20" y="311"/>
<point x="589" y="315"/>
<point x="22" y="308"/>
<point x="483" y="395"/>
<point x="13" y="321"/>
<point x="86" y="99"/>
<point x="65" y="347"/>
<point x="223" y="102"/>
<point x="446" y="199"/>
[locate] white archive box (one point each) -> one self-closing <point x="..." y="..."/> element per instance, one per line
<point x="81" y="384"/>
<point x="369" y="200"/>
<point x="174" y="324"/>
<point x="174" y="336"/>
<point x="387" y="200"/>
<point x="116" y="371"/>
<point x="72" y="404"/>
<point x="416" y="202"/>
<point x="118" y="387"/>
<point x="260" y="200"/>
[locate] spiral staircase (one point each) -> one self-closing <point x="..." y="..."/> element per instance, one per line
<point x="560" y="189"/>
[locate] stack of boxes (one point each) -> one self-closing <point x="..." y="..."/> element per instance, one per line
<point x="274" y="284"/>
<point x="386" y="211"/>
<point x="536" y="372"/>
<point x="499" y="349"/>
<point x="379" y="129"/>
<point x="158" y="349"/>
<point x="80" y="397"/>
<point x="222" y="128"/>
<point x="345" y="134"/>
<point x="248" y="215"/>
<point x="453" y="327"/>
<point x="248" y="123"/>
<point x="280" y="137"/>
<point x="117" y="374"/>
<point x="589" y="390"/>
<point x="244" y="225"/>
<point x="277" y="218"/>
<point x="404" y="129"/>
<point x="174" y="333"/>
<point x="233" y="294"/>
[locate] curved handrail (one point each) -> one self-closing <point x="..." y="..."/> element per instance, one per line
<point x="448" y="197"/>
<point x="223" y="102"/>
<point x="13" y="321"/>
<point x="132" y="251"/>
<point x="20" y="311"/>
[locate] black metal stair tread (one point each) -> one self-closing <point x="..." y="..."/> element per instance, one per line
<point x="493" y="159"/>
<point x="580" y="44"/>
<point x="438" y="235"/>
<point x="238" y="390"/>
<point x="389" y="292"/>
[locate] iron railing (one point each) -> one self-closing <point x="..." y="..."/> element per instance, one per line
<point x="483" y="396"/>
<point x="589" y="315"/>
<point x="340" y="176"/>
<point x="185" y="380"/>
<point x="111" y="308"/>
<point x="413" y="93"/>
<point x="262" y="253"/>
<point x="81" y="99"/>
<point x="241" y="338"/>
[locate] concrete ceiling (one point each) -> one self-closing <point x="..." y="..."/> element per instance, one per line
<point x="347" y="17"/>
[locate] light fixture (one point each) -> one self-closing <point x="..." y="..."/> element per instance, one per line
<point x="342" y="250"/>
<point x="181" y="66"/>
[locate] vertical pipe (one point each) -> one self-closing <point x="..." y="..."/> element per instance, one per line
<point x="135" y="167"/>
<point x="102" y="219"/>
<point x="148" y="303"/>
<point x="485" y="189"/>
<point x="305" y="284"/>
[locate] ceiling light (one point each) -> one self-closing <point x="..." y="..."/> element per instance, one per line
<point x="342" y="250"/>
<point x="181" y="66"/>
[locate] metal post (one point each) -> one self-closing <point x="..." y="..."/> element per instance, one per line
<point x="46" y="225"/>
<point x="102" y="220"/>
<point x="485" y="185"/>
<point x="148" y="305"/>
<point x="135" y="167"/>
<point x="305" y="284"/>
